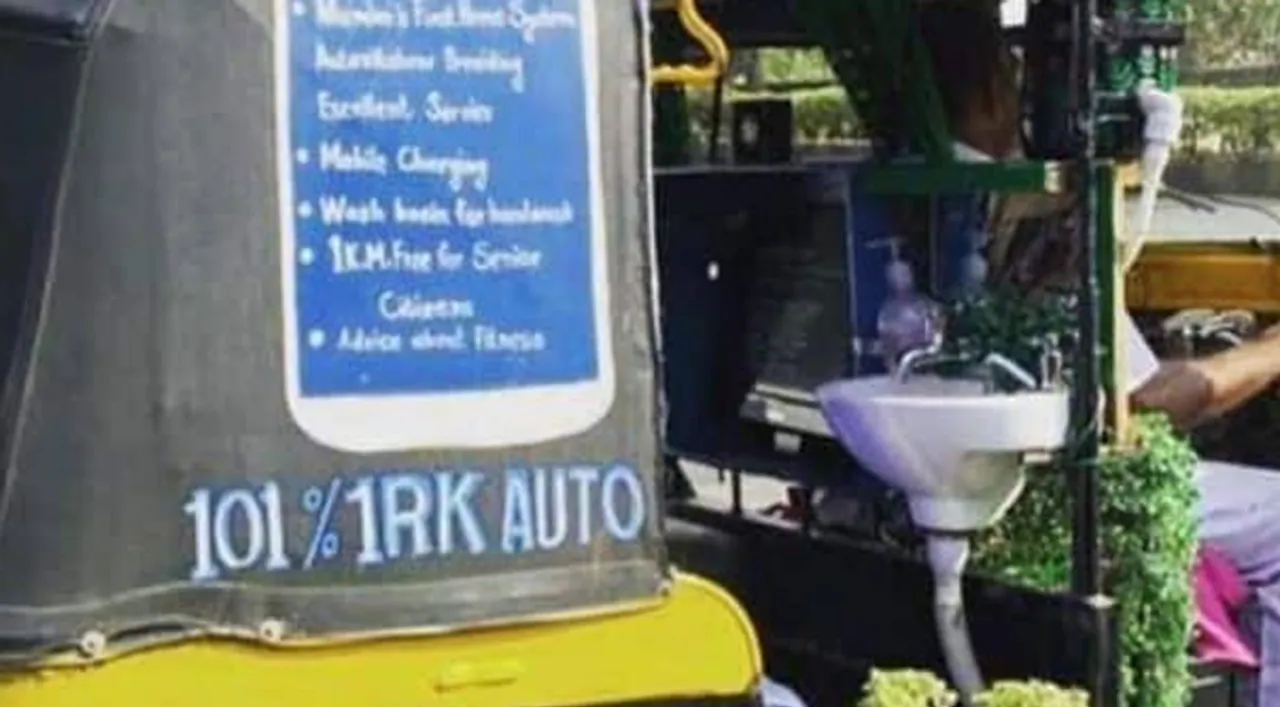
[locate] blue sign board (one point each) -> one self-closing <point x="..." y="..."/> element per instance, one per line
<point x="440" y="177"/>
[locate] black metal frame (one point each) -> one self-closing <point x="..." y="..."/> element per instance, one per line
<point x="1086" y="575"/>
<point x="1092" y="614"/>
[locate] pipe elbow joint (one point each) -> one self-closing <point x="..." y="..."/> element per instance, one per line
<point x="1163" y="111"/>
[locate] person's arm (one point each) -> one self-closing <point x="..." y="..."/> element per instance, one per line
<point x="1194" y="391"/>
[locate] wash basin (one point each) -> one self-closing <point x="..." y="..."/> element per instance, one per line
<point x="954" y="449"/>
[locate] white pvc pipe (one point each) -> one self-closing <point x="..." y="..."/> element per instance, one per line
<point x="1155" y="158"/>
<point x="1163" y="111"/>
<point x="948" y="555"/>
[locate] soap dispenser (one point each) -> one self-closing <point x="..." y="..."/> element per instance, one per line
<point x="908" y="320"/>
<point x="973" y="267"/>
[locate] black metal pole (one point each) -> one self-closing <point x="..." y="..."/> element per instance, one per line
<point x="1086" y="580"/>
<point x="717" y="116"/>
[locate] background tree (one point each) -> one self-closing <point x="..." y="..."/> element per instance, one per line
<point x="1229" y="34"/>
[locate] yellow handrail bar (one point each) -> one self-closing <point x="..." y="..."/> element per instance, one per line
<point x="710" y="40"/>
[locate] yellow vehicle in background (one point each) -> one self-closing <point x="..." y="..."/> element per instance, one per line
<point x="1220" y="260"/>
<point x="302" y="402"/>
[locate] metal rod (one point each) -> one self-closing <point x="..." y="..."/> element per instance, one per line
<point x="735" y="486"/>
<point x="1086" y="580"/>
<point x="808" y="517"/>
<point x="717" y="115"/>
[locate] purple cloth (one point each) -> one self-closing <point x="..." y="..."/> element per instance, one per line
<point x="1220" y="593"/>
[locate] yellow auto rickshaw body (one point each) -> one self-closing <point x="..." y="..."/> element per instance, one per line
<point x="693" y="646"/>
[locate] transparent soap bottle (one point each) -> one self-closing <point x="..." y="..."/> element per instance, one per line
<point x="908" y="320"/>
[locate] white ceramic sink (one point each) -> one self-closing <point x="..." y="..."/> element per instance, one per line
<point x="956" y="451"/>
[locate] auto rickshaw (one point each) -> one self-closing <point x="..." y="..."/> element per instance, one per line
<point x="310" y="395"/>
<point x="295" y="410"/>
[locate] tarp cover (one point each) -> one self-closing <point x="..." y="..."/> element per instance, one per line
<point x="339" y="316"/>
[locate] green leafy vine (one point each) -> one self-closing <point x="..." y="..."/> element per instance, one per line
<point x="1149" y="542"/>
<point x="917" y="688"/>
<point x="1147" y="520"/>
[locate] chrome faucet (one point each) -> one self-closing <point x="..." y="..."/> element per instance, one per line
<point x="933" y="355"/>
<point x="1052" y="363"/>
<point x="995" y="360"/>
<point x="928" y="355"/>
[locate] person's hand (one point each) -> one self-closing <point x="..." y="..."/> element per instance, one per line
<point x="1271" y="333"/>
<point x="1270" y="337"/>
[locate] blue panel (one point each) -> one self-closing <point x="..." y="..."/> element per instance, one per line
<point x="959" y="220"/>
<point x="869" y="222"/>
<point x="443" y="201"/>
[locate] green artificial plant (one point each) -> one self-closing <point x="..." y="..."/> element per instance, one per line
<point x="906" y="688"/>
<point x="1019" y="328"/>
<point x="918" y="688"/>
<point x="1034" y="693"/>
<point x="1146" y="514"/>
<point x="1148" y="541"/>
<point x="1148" y="544"/>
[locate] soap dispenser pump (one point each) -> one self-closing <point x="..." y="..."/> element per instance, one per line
<point x="908" y="320"/>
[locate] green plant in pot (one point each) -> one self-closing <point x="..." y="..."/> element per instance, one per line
<point x="1148" y="543"/>
<point x="1147" y="521"/>
<point x="1031" y="694"/>
<point x="906" y="688"/>
<point x="917" y="688"/>
<point x="1019" y="328"/>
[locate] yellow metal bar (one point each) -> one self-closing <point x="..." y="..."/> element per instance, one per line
<point x="710" y="41"/>
<point x="695" y="643"/>
<point x="1120" y="421"/>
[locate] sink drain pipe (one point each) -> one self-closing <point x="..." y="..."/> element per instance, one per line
<point x="948" y="554"/>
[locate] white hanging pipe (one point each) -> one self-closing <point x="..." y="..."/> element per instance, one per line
<point x="1163" y="111"/>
